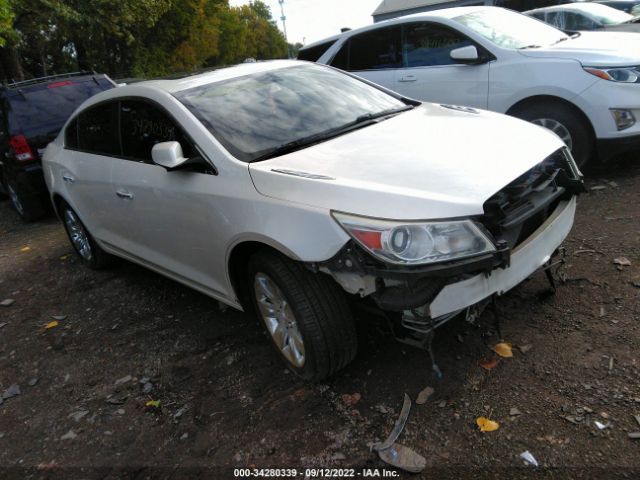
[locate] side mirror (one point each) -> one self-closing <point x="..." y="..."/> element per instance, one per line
<point x="468" y="54"/>
<point x="169" y="155"/>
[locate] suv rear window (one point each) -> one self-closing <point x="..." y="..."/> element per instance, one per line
<point x="312" y="54"/>
<point x="42" y="109"/>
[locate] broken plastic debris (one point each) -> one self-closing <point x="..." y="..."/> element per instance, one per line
<point x="70" y="435"/>
<point x="622" y="261"/>
<point x="7" y="302"/>
<point x="424" y="395"/>
<point x="26" y="248"/>
<point x="600" y="425"/>
<point x="403" y="457"/>
<point x="59" y="317"/>
<point x="487" y="425"/>
<point x="398" y="427"/>
<point x="12" y="391"/>
<point x="52" y="324"/>
<point x="503" y="349"/>
<point x="529" y="458"/>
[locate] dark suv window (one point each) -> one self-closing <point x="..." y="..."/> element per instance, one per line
<point x="374" y="50"/>
<point x="428" y="44"/>
<point x="98" y="129"/>
<point x="143" y="125"/>
<point x="42" y="109"/>
<point x="312" y="54"/>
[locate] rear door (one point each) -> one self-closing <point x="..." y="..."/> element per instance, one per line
<point x="374" y="55"/>
<point x="428" y="72"/>
<point x="92" y="146"/>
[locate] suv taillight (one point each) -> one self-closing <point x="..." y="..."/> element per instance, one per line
<point x="21" y="148"/>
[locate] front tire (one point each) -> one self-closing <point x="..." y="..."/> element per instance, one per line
<point x="565" y="122"/>
<point x="83" y="243"/>
<point x="306" y="315"/>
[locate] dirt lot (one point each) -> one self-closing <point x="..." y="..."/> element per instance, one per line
<point x="225" y="400"/>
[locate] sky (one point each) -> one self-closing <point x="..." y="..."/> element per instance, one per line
<point x="311" y="20"/>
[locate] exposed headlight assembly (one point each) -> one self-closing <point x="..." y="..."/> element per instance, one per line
<point x="618" y="74"/>
<point x="416" y="243"/>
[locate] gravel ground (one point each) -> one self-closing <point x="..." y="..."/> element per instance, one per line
<point x="127" y="336"/>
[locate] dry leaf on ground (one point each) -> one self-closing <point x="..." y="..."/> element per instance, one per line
<point x="489" y="364"/>
<point x="487" y="425"/>
<point x="503" y="349"/>
<point x="424" y="395"/>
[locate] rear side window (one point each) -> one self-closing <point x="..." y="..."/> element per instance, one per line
<point x="374" y="50"/>
<point x="71" y="135"/>
<point x="43" y="109"/>
<point x="428" y="44"/>
<point x="98" y="130"/>
<point x="143" y="125"/>
<point x="312" y="54"/>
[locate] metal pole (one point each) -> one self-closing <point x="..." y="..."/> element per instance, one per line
<point x="284" y="26"/>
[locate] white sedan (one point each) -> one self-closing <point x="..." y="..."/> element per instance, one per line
<point x="287" y="187"/>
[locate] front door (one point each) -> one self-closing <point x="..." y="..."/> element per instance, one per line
<point x="173" y="220"/>
<point x="429" y="74"/>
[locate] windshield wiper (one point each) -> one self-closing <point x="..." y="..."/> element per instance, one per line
<point x="360" y="122"/>
<point x="383" y="113"/>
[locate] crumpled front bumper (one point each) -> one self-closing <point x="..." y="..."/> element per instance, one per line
<point x="526" y="258"/>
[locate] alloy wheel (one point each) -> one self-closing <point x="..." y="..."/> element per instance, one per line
<point x="78" y="235"/>
<point x="15" y="200"/>
<point x="279" y="319"/>
<point x="556" y="127"/>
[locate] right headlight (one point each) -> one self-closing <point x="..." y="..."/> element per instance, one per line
<point x="416" y="243"/>
<point x="617" y="74"/>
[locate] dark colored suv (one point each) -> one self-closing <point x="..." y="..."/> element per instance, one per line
<point x="33" y="112"/>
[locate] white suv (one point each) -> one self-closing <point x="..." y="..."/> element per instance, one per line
<point x="287" y="187"/>
<point x="585" y="87"/>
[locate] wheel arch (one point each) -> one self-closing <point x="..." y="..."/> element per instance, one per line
<point x="523" y="104"/>
<point x="238" y="262"/>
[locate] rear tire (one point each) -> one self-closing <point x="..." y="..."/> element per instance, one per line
<point x="29" y="207"/>
<point x="81" y="240"/>
<point x="563" y="121"/>
<point x="315" y="309"/>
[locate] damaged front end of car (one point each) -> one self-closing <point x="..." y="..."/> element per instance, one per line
<point x="458" y="265"/>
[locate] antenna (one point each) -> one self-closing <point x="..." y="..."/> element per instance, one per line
<point x="284" y="26"/>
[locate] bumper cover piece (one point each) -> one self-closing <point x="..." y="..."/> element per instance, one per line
<point x="528" y="257"/>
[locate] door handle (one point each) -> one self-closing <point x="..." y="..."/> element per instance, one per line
<point x="68" y="178"/>
<point x="123" y="194"/>
<point x="408" y="78"/>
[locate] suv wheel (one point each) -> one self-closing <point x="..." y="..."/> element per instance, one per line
<point x="83" y="243"/>
<point x="566" y="124"/>
<point x="28" y="208"/>
<point x="305" y="314"/>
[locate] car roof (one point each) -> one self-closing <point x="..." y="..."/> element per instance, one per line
<point x="173" y="85"/>
<point x="446" y="13"/>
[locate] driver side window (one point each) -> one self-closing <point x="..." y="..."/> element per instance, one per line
<point x="142" y="125"/>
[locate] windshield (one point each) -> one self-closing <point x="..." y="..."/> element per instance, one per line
<point x="604" y="14"/>
<point x="510" y="29"/>
<point x="255" y="114"/>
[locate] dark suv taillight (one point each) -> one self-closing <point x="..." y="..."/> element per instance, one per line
<point x="21" y="148"/>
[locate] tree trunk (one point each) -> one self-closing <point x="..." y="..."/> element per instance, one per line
<point x="11" y="64"/>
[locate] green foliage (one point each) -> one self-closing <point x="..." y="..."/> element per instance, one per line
<point x="132" y="37"/>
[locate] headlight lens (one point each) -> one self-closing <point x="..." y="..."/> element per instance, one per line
<point x="623" y="75"/>
<point x="416" y="243"/>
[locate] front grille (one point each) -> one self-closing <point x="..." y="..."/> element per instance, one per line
<point x="517" y="210"/>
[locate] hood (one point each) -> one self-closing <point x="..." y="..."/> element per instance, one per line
<point x="594" y="49"/>
<point x="431" y="162"/>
